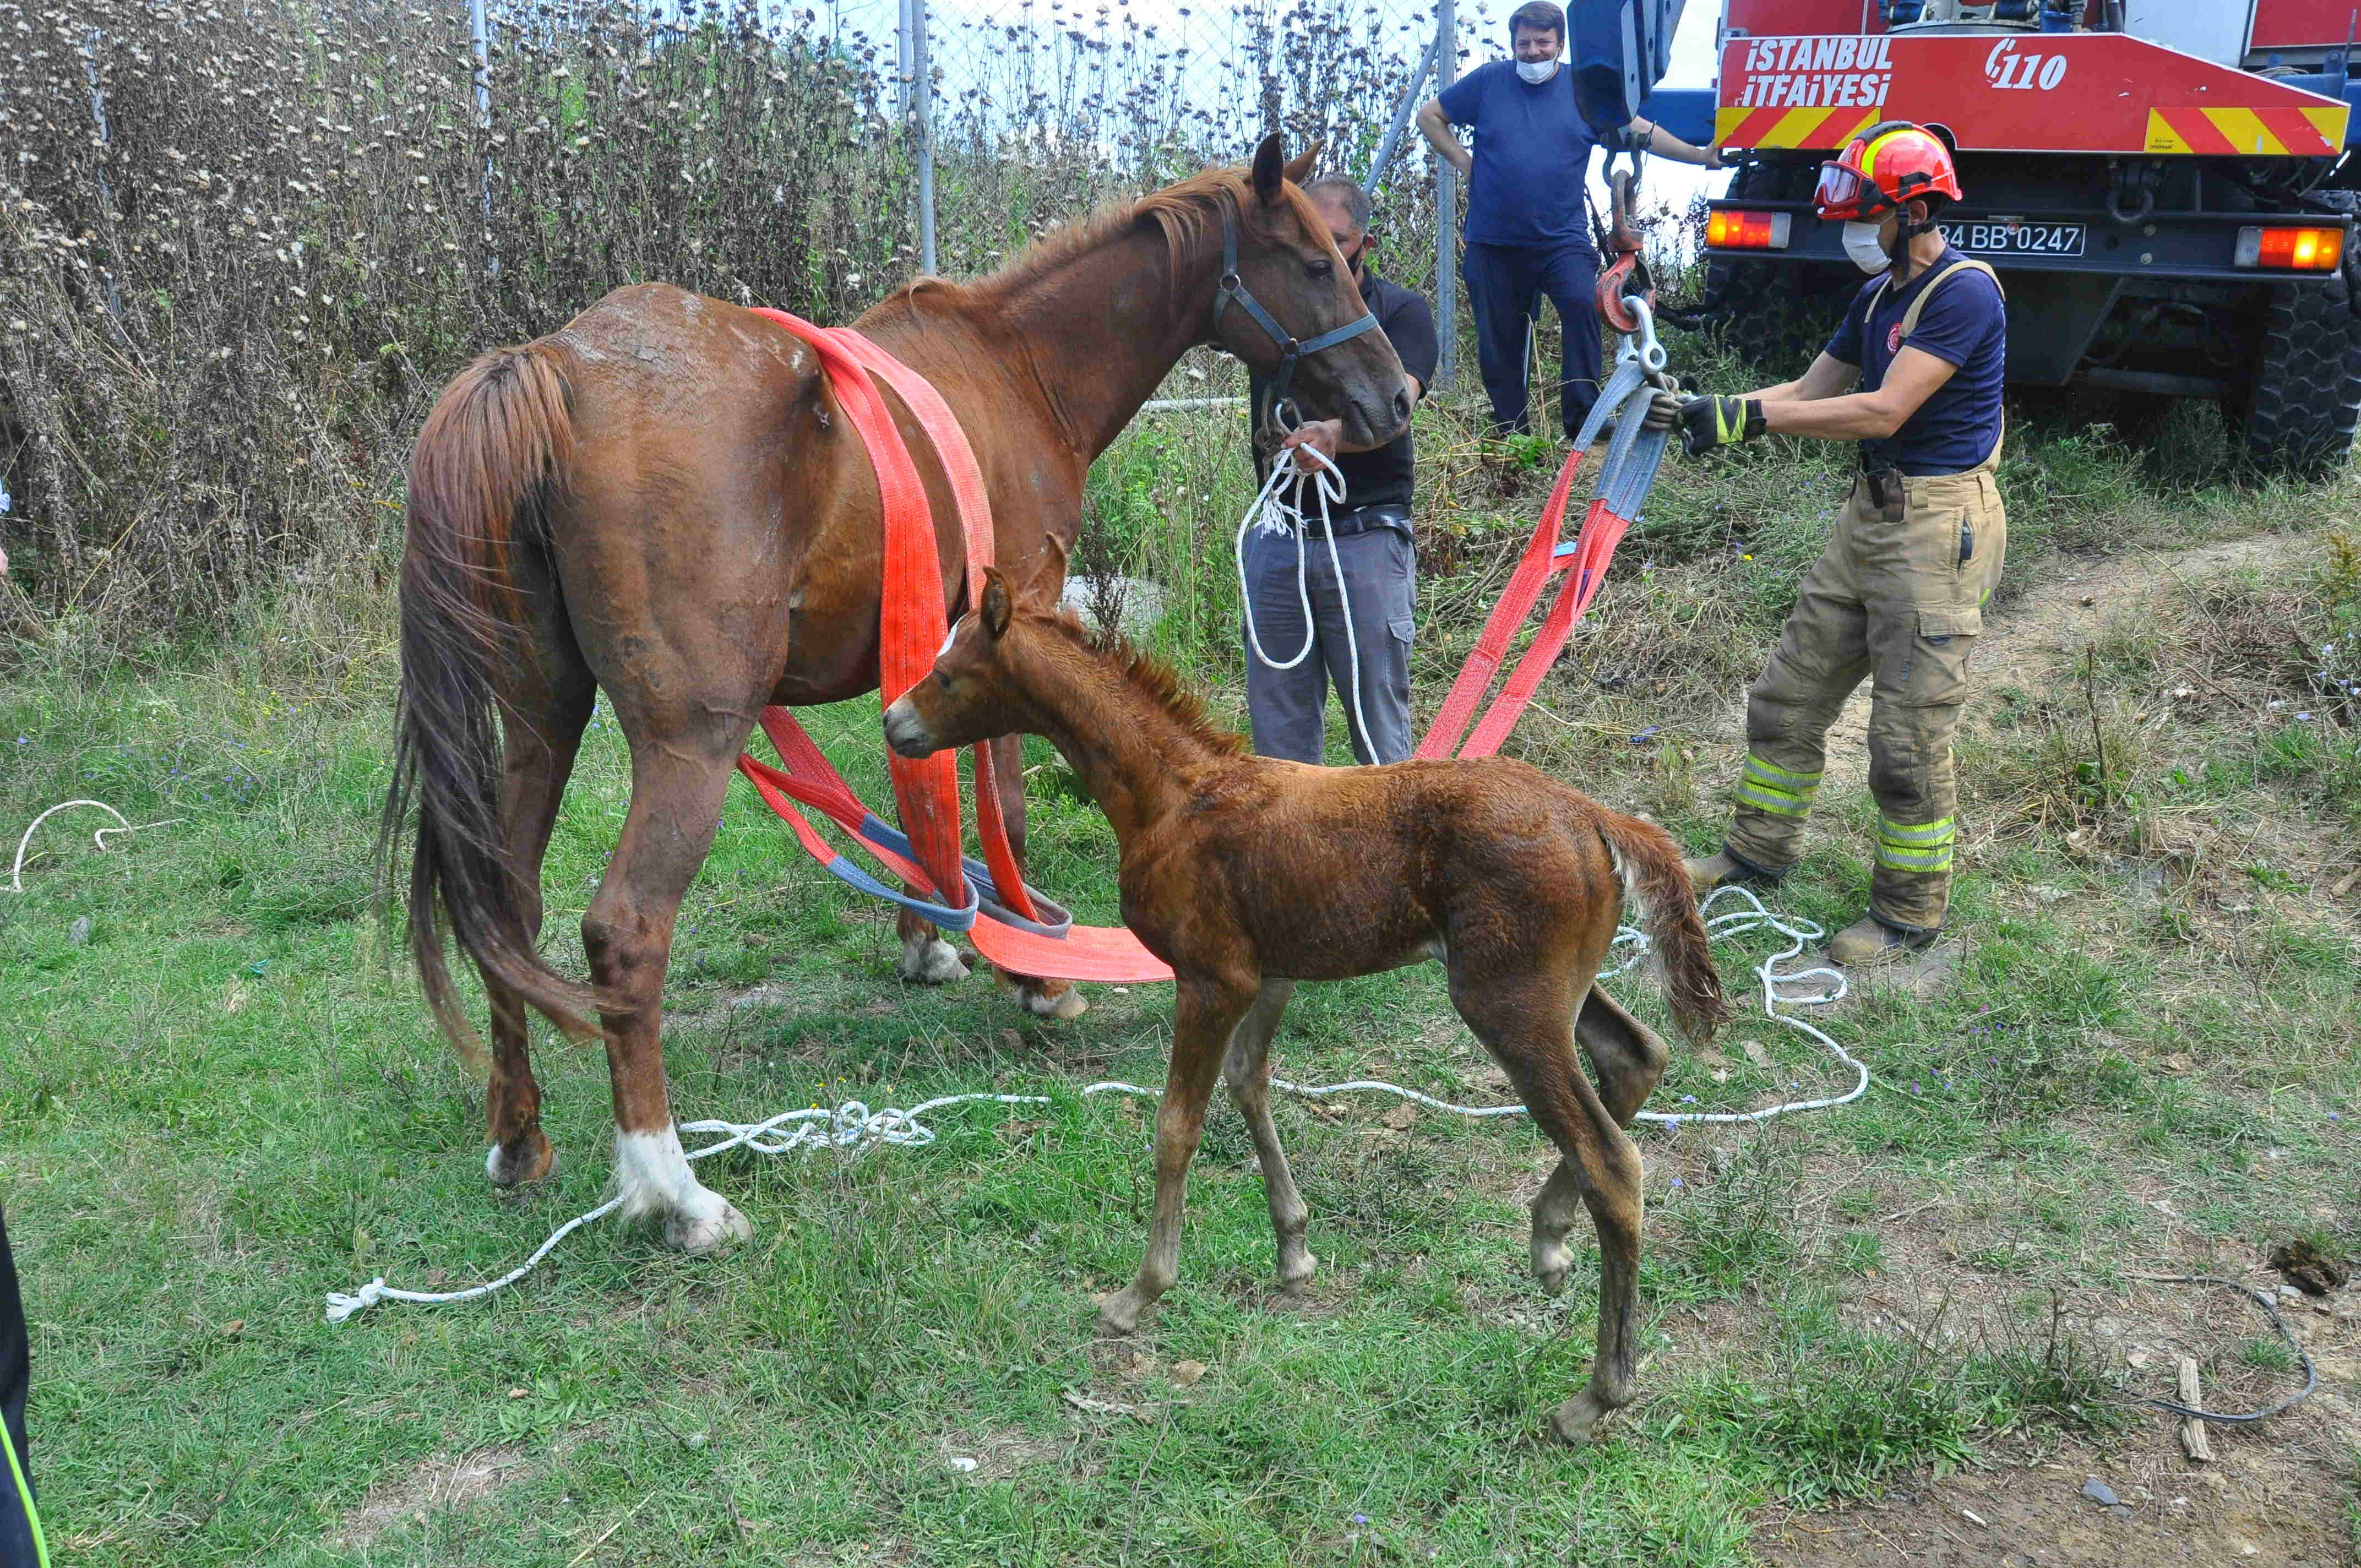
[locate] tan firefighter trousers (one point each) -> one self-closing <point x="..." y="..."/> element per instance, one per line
<point x="1897" y="595"/>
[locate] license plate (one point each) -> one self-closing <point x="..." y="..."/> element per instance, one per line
<point x="2015" y="236"/>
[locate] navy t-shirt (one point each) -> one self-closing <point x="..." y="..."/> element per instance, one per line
<point x="1533" y="156"/>
<point x="1965" y="324"/>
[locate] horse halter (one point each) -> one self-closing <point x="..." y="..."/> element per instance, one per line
<point x="1291" y="349"/>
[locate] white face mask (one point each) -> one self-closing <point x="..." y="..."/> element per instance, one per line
<point x="1867" y="250"/>
<point x="1536" y="71"/>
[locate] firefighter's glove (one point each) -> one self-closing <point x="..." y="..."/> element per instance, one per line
<point x="1710" y="423"/>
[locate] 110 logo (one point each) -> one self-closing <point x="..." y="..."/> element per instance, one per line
<point x="2004" y="68"/>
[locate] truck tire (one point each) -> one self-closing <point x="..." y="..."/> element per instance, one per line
<point x="1778" y="314"/>
<point x="2300" y="410"/>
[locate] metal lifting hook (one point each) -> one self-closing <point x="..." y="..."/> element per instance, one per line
<point x="1640" y="342"/>
<point x="1627" y="276"/>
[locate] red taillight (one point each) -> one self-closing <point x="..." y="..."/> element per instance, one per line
<point x="2291" y="249"/>
<point x="1730" y="229"/>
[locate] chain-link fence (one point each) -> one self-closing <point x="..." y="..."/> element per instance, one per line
<point x="1035" y="109"/>
<point x="241" y="247"/>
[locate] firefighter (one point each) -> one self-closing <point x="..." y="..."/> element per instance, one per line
<point x="1898" y="593"/>
<point x="21" y="1545"/>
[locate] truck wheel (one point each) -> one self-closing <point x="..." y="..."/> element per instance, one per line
<point x="2305" y="399"/>
<point x="1778" y="314"/>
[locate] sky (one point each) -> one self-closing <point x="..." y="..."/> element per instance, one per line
<point x="1666" y="185"/>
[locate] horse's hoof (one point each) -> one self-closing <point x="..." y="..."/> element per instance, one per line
<point x="706" y="1229"/>
<point x="930" y="961"/>
<point x="1296" y="1281"/>
<point x="522" y="1161"/>
<point x="1551" y="1264"/>
<point x="1576" y="1420"/>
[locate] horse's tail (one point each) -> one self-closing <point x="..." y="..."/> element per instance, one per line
<point x="1649" y="863"/>
<point x="490" y="458"/>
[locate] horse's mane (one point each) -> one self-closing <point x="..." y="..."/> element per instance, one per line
<point x="1185" y="213"/>
<point x="1150" y="677"/>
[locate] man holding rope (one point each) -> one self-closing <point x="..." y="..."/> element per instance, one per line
<point x="1288" y="707"/>
<point x="1898" y="593"/>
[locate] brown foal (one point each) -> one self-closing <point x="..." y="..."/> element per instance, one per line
<point x="662" y="501"/>
<point x="1248" y="874"/>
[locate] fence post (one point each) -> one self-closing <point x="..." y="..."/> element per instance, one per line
<point x="905" y="65"/>
<point x="479" y="31"/>
<point x="105" y="195"/>
<point x="924" y="90"/>
<point x="1447" y="277"/>
<point x="1383" y="164"/>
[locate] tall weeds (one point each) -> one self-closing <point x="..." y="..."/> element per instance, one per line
<point x="242" y="246"/>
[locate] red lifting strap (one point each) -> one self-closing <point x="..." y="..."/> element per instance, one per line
<point x="1585" y="563"/>
<point x="912" y="625"/>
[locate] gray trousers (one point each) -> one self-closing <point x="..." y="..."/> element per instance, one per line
<point x="1289" y="707"/>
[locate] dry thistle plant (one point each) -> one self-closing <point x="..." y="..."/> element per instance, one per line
<point x="241" y="247"/>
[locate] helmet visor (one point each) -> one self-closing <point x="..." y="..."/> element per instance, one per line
<point x="1844" y="191"/>
<point x="1839" y="191"/>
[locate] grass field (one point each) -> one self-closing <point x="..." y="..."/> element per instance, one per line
<point x="219" y="1099"/>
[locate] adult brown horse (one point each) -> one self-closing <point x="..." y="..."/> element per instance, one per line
<point x="1248" y="874"/>
<point x="662" y="501"/>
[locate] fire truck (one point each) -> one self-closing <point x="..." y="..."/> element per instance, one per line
<point x="2164" y="186"/>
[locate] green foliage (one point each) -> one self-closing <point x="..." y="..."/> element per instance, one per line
<point x="1840" y="1411"/>
<point x="1738" y="1229"/>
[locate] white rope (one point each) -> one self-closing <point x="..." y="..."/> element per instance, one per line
<point x="17" y="872"/>
<point x="1277" y="515"/>
<point x="854" y="1126"/>
<point x="1776" y="995"/>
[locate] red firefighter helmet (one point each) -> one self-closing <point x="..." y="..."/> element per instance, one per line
<point x="1885" y="170"/>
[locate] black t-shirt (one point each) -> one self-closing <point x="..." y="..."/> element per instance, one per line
<point x="1381" y="478"/>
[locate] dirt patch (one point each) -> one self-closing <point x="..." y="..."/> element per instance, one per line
<point x="2264" y="1502"/>
<point x="2025" y="642"/>
<point x="438" y="1482"/>
<point x="999" y="1455"/>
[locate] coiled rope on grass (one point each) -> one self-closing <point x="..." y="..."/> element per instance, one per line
<point x="854" y="1126"/>
<point x="17" y="870"/>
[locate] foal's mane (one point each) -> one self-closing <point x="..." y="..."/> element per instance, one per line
<point x="1150" y="677"/>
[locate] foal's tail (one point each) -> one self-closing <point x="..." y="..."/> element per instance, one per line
<point x="487" y="464"/>
<point x="1650" y="864"/>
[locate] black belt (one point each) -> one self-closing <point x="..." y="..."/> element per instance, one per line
<point x="1886" y="486"/>
<point x="1360" y="519"/>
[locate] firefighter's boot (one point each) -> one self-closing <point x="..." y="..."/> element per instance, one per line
<point x="1869" y="941"/>
<point x="1723" y="869"/>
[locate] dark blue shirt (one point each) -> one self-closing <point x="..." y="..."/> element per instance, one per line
<point x="1381" y="478"/>
<point x="1532" y="157"/>
<point x="1966" y="324"/>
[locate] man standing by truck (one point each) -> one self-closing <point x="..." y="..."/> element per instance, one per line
<point x="1527" y="225"/>
<point x="1898" y="593"/>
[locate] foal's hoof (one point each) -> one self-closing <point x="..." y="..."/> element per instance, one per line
<point x="522" y="1161"/>
<point x="1552" y="1262"/>
<point x="931" y="961"/>
<point x="1119" y="1313"/>
<point x="1576" y="1420"/>
<point x="1045" y="998"/>
<point x="1295" y="1274"/>
<point x="707" y="1228"/>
